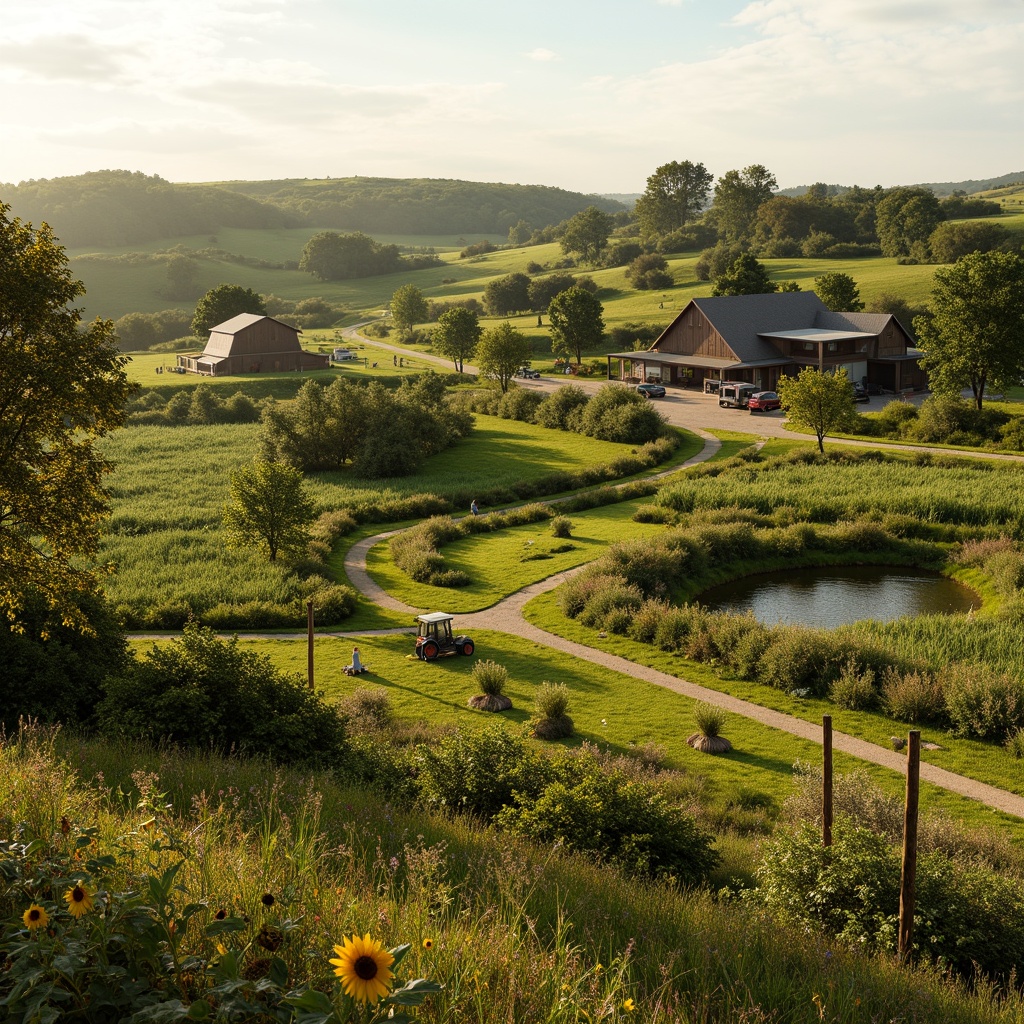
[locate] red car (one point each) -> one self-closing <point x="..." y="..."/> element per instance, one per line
<point x="764" y="401"/>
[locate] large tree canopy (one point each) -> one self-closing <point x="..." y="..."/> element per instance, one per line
<point x="457" y="334"/>
<point x="821" y="401"/>
<point x="676" y="194"/>
<point x="586" y="234"/>
<point x="906" y="218"/>
<point x="576" y="322"/>
<point x="975" y="335"/>
<point x="62" y="387"/>
<point x="746" y="276"/>
<point x="408" y="307"/>
<point x="331" y="256"/>
<point x="222" y="303"/>
<point x="502" y="350"/>
<point x="838" y="291"/>
<point x="738" y="195"/>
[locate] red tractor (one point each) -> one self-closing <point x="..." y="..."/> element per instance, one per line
<point x="435" y="639"/>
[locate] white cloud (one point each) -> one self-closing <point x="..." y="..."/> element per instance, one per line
<point x="64" y="58"/>
<point x="541" y="54"/>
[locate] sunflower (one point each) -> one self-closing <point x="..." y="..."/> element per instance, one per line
<point x="364" y="966"/>
<point x="428" y="943"/>
<point x="79" y="900"/>
<point x="629" y="1006"/>
<point x="35" y="917"/>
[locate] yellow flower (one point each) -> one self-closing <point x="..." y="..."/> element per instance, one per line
<point x="629" y="1006"/>
<point x="364" y="967"/>
<point x="428" y="943"/>
<point x="79" y="900"/>
<point x="35" y="917"/>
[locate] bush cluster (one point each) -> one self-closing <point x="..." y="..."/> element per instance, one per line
<point x="572" y="797"/>
<point x="966" y="916"/>
<point x="944" y="419"/>
<point x="191" y="406"/>
<point x="203" y="692"/>
<point x="614" y="413"/>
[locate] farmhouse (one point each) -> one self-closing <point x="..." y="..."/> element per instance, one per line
<point x="248" y="343"/>
<point x="758" y="338"/>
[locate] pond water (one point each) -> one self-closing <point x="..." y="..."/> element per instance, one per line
<point x="835" y="595"/>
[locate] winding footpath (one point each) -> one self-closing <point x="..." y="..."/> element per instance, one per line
<point x="507" y="617"/>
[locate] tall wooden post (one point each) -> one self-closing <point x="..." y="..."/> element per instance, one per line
<point x="309" y="643"/>
<point x="908" y="876"/>
<point x="826" y="780"/>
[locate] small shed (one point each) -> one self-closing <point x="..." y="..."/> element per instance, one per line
<point x="250" y="343"/>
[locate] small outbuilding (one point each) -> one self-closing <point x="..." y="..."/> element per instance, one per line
<point x="249" y="343"/>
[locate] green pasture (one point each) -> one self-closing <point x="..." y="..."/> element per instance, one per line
<point x="170" y="484"/>
<point x="619" y="712"/>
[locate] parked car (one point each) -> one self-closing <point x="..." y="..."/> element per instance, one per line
<point x="651" y="390"/>
<point x="860" y="392"/>
<point x="525" y="371"/>
<point x="764" y="401"/>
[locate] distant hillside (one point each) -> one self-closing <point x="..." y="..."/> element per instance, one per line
<point x="419" y="206"/>
<point x="113" y="208"/>
<point x="940" y="188"/>
<point x="627" y="199"/>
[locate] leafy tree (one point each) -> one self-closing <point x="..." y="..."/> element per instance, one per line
<point x="889" y="302"/>
<point x="62" y="388"/>
<point x="975" y="334"/>
<point x="222" y="303"/>
<point x="269" y="505"/>
<point x="408" y="307"/>
<point x="738" y="195"/>
<point x="504" y="296"/>
<point x="953" y="239"/>
<point x="746" y="276"/>
<point x="839" y="292"/>
<point x="587" y="233"/>
<point x="340" y="257"/>
<point x="676" y="193"/>
<point x="906" y="217"/>
<point x="502" y="350"/>
<point x="543" y="289"/>
<point x="576" y="322"/>
<point x="456" y="335"/>
<point x="821" y="401"/>
<point x="519" y="233"/>
<point x="182" y="277"/>
<point x="650" y="272"/>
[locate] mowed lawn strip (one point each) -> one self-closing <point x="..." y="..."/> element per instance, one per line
<point x="615" y="711"/>
<point x="986" y="762"/>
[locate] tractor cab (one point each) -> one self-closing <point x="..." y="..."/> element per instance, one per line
<point x="435" y="639"/>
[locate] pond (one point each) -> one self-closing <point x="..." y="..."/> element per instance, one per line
<point x="833" y="596"/>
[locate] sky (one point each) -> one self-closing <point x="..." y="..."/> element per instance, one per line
<point x="587" y="95"/>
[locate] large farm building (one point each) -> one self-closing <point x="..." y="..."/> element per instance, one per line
<point x="249" y="343"/>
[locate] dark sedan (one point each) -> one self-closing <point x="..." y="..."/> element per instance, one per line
<point x="651" y="390"/>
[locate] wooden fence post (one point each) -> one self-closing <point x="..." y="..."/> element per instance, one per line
<point x="826" y="780"/>
<point x="908" y="876"/>
<point x="309" y="643"/>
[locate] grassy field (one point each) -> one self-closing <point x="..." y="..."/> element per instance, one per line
<point x="171" y="484"/>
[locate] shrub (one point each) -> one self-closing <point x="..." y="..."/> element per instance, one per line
<point x="491" y="677"/>
<point x="854" y="689"/>
<point x="613" y="598"/>
<point x="965" y="916"/>
<point x="799" y="659"/>
<point x="895" y="417"/>
<point x="913" y="697"/>
<point x="561" y="410"/>
<point x="1015" y="743"/>
<point x="477" y="773"/>
<point x="368" y="708"/>
<point x="1006" y="569"/>
<point x="982" y="703"/>
<point x="203" y="692"/>
<point x="602" y="809"/>
<point x="519" y="404"/>
<point x="616" y="413"/>
<point x="561" y="527"/>
<point x="653" y="514"/>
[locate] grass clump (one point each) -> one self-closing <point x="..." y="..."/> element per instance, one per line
<point x="561" y="527"/>
<point x="492" y="679"/>
<point x="551" y="720"/>
<point x="708" y="738"/>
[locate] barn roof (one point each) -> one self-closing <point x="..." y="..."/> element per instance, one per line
<point x="243" y="320"/>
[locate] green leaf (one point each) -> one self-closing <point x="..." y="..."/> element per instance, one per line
<point x="412" y="993"/>
<point x="399" y="954"/>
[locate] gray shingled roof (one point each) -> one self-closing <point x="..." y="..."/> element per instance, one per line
<point x="740" y="319"/>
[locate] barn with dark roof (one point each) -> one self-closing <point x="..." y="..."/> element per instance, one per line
<point x="758" y="338"/>
<point x="249" y="343"/>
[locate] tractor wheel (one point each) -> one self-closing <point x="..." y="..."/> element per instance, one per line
<point x="467" y="648"/>
<point x="429" y="651"/>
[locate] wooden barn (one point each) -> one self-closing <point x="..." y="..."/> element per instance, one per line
<point x="758" y="338"/>
<point x="249" y="343"/>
